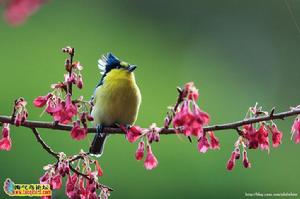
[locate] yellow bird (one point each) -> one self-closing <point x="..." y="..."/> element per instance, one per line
<point x="116" y="99"/>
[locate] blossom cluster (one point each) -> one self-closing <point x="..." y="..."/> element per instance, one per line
<point x="235" y="155"/>
<point x="255" y="136"/>
<point x="189" y="119"/>
<point x="19" y="116"/>
<point x="59" y="103"/>
<point x="82" y="183"/>
<point x="146" y="137"/>
<point x="17" y="11"/>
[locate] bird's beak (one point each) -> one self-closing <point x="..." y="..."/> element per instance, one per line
<point x="131" y="68"/>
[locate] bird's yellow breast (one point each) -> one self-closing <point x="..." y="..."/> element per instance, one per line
<point x="117" y="100"/>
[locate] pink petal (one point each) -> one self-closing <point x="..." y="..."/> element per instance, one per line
<point x="5" y="143"/>
<point x="56" y="182"/>
<point x="18" y="10"/>
<point x="203" y="145"/>
<point x="139" y="154"/>
<point x="78" y="133"/>
<point x="150" y="161"/>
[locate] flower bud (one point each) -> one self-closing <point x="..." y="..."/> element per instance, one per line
<point x="79" y="82"/>
<point x="139" y="154"/>
<point x="68" y="50"/>
<point x="214" y="141"/>
<point x="203" y="144"/>
<point x="237" y="153"/>
<point x="246" y="162"/>
<point x="231" y="161"/>
<point x="150" y="161"/>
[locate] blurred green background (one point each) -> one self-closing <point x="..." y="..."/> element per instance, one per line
<point x="236" y="52"/>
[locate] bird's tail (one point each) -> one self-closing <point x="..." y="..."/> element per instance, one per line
<point x="97" y="145"/>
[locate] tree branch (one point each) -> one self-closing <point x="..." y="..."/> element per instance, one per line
<point x="44" y="145"/>
<point x="56" y="155"/>
<point x="232" y="125"/>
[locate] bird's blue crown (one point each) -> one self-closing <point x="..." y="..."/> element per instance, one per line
<point x="108" y="62"/>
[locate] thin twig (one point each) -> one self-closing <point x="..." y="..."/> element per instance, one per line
<point x="44" y="145"/>
<point x="179" y="100"/>
<point x="13" y="114"/>
<point x="77" y="157"/>
<point x="69" y="87"/>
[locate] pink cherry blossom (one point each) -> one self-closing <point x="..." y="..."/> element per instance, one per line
<point x="18" y="120"/>
<point x="5" y="141"/>
<point x="231" y="161"/>
<point x="77" y="66"/>
<point x="190" y="120"/>
<point x="68" y="50"/>
<point x="133" y="133"/>
<point x="246" y="162"/>
<point x="276" y="136"/>
<point x="5" y="130"/>
<point x="63" y="168"/>
<point x="203" y="144"/>
<point x="56" y="182"/>
<point x="89" y="117"/>
<point x="263" y="139"/>
<point x="237" y="153"/>
<point x="139" y="154"/>
<point x="45" y="178"/>
<point x="81" y="189"/>
<point x="18" y="11"/>
<point x="183" y="118"/>
<point x="150" y="161"/>
<point x="63" y="117"/>
<point x="214" y="141"/>
<point x="296" y="130"/>
<point x="71" y="79"/>
<point x="41" y="100"/>
<point x="20" y="112"/>
<point x="153" y="134"/>
<point x="91" y="186"/>
<point x="79" y="82"/>
<point x="54" y="105"/>
<point x="201" y="116"/>
<point x="251" y="135"/>
<point x="190" y="91"/>
<point x="61" y="111"/>
<point x="78" y="133"/>
<point x="99" y="169"/>
<point x="70" y="108"/>
<point x="104" y="193"/>
<point x="71" y="189"/>
<point x="59" y="85"/>
<point x="92" y="196"/>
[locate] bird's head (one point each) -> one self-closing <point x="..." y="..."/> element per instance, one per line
<point x="111" y="64"/>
